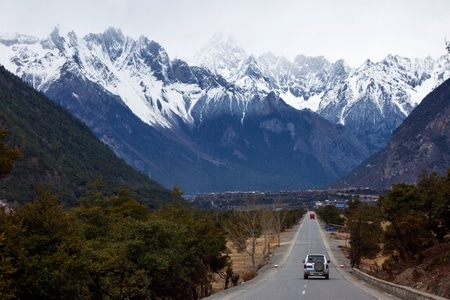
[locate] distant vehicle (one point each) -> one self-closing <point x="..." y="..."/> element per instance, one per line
<point x="312" y="216"/>
<point x="316" y="265"/>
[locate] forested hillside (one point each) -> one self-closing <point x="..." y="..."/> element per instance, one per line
<point x="61" y="152"/>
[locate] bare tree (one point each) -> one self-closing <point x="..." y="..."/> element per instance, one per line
<point x="245" y="229"/>
<point x="279" y="223"/>
<point x="267" y="227"/>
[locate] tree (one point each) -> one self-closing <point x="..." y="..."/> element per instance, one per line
<point x="279" y="220"/>
<point x="42" y="246"/>
<point x="201" y="249"/>
<point x="267" y="222"/>
<point x="363" y="221"/>
<point x="208" y="250"/>
<point x="443" y="186"/>
<point x="93" y="212"/>
<point x="124" y="206"/>
<point x="7" y="155"/>
<point x="177" y="194"/>
<point x="433" y="197"/>
<point x="245" y="229"/>
<point x="293" y="216"/>
<point x="330" y="214"/>
<point x="406" y="234"/>
<point x="418" y="215"/>
<point x="12" y="250"/>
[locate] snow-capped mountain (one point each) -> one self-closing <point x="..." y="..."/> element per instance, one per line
<point x="372" y="100"/>
<point x="228" y="116"/>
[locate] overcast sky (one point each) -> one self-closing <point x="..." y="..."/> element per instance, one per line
<point x="354" y="30"/>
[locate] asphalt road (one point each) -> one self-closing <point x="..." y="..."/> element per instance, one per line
<point x="285" y="281"/>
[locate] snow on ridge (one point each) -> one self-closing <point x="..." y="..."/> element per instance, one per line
<point x="300" y="103"/>
<point x="142" y="93"/>
<point x="31" y="60"/>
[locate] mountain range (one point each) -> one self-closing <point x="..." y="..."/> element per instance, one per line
<point x="226" y="120"/>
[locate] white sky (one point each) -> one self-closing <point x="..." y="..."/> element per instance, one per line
<point x="354" y="30"/>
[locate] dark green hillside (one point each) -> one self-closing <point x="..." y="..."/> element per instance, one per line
<point x="60" y="151"/>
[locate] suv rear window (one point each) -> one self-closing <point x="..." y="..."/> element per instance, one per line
<point x="314" y="259"/>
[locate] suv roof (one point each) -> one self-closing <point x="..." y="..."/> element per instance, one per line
<point x="316" y="255"/>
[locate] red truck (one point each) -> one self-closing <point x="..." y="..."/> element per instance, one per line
<point x="312" y="216"/>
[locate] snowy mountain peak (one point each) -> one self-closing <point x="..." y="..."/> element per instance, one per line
<point x="222" y="55"/>
<point x="251" y="67"/>
<point x="251" y="78"/>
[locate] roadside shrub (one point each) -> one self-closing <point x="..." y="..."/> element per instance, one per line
<point x="248" y="275"/>
<point x="445" y="260"/>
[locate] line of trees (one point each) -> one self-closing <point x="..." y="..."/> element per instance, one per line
<point x="252" y="221"/>
<point x="418" y="217"/>
<point x="405" y="221"/>
<point x="108" y="248"/>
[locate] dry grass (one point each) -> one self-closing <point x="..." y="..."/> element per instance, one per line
<point x="340" y="235"/>
<point x="242" y="262"/>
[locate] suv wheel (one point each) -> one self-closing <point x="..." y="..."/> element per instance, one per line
<point x="318" y="266"/>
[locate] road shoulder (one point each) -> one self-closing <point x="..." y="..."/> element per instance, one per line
<point x="342" y="264"/>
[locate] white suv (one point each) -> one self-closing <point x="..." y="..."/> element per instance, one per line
<point x="316" y="265"/>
